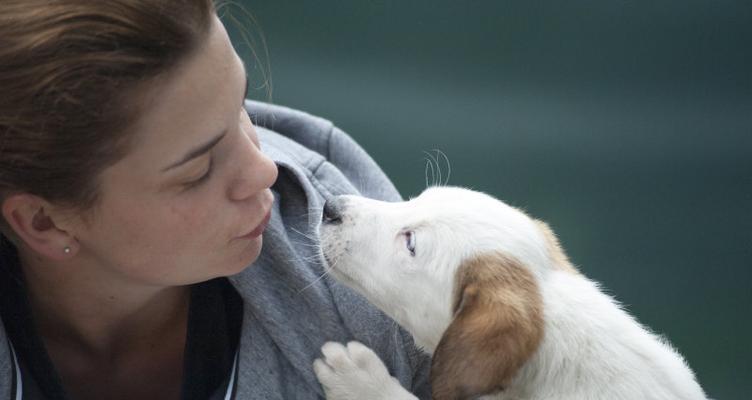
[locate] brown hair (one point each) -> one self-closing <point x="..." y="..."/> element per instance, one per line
<point x="69" y="72"/>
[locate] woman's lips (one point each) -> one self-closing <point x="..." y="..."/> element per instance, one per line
<point x="256" y="232"/>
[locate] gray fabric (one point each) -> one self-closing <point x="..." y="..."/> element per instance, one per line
<point x="289" y="311"/>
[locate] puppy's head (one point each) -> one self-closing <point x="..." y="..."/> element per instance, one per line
<point x="458" y="269"/>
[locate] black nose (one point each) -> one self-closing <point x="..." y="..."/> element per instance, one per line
<point x="333" y="210"/>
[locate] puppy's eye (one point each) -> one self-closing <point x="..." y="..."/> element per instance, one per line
<point x="410" y="240"/>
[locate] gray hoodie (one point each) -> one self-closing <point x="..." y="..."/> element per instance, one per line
<point x="288" y="312"/>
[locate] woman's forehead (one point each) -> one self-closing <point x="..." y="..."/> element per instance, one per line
<point x="190" y="104"/>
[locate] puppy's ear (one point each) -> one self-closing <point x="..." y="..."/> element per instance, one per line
<point x="497" y="326"/>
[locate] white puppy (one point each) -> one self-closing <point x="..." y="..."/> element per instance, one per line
<point x="490" y="294"/>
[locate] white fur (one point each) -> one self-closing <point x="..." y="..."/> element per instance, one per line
<point x="591" y="348"/>
<point x="355" y="372"/>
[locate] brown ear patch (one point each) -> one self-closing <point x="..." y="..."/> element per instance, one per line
<point x="559" y="258"/>
<point x="497" y="326"/>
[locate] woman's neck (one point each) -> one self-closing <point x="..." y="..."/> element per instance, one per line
<point x="79" y="306"/>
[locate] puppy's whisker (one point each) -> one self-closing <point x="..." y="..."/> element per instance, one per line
<point x="305" y="235"/>
<point x="437" y="175"/>
<point x="307" y="214"/>
<point x="327" y="270"/>
<point x="448" y="164"/>
<point x="438" y="169"/>
<point x="361" y="186"/>
<point x="309" y="237"/>
<point x="429" y="165"/>
<point x="307" y="241"/>
<point x="314" y="260"/>
<point x="309" y="245"/>
<point x="432" y="160"/>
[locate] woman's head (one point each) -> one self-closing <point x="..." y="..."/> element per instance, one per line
<point x="100" y="101"/>
<point x="69" y="72"/>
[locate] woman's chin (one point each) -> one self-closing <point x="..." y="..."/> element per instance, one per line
<point x="248" y="255"/>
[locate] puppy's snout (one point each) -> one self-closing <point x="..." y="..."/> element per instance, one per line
<point x="333" y="209"/>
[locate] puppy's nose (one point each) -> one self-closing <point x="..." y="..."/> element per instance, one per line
<point x="333" y="210"/>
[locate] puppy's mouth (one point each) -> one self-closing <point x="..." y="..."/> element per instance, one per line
<point x="335" y="242"/>
<point x="329" y="264"/>
<point x="328" y="241"/>
<point x="333" y="249"/>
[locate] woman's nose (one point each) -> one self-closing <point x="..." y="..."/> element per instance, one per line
<point x="256" y="172"/>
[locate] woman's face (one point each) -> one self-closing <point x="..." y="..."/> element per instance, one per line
<point x="179" y="207"/>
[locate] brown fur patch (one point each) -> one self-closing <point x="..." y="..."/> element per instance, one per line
<point x="497" y="326"/>
<point x="558" y="256"/>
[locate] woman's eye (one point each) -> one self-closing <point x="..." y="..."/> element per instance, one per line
<point x="203" y="177"/>
<point x="410" y="240"/>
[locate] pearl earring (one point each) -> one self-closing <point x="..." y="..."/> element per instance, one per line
<point x="67" y="250"/>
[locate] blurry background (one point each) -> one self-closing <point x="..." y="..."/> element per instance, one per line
<point x="627" y="125"/>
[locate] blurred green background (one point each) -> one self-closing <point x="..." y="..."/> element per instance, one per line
<point x="627" y="125"/>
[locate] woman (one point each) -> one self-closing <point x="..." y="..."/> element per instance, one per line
<point x="135" y="196"/>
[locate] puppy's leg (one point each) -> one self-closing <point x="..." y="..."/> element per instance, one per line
<point x="355" y="372"/>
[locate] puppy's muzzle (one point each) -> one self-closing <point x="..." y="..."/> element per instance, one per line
<point x="333" y="210"/>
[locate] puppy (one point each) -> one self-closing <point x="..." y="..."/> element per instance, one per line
<point x="490" y="294"/>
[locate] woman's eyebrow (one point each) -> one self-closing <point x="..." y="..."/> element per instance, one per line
<point x="198" y="151"/>
<point x="202" y="149"/>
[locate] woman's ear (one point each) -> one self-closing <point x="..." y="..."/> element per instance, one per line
<point x="29" y="217"/>
<point x="497" y="326"/>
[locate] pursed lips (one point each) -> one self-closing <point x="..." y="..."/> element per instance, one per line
<point x="259" y="229"/>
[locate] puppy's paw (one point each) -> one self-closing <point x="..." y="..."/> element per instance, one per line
<point x="355" y="372"/>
